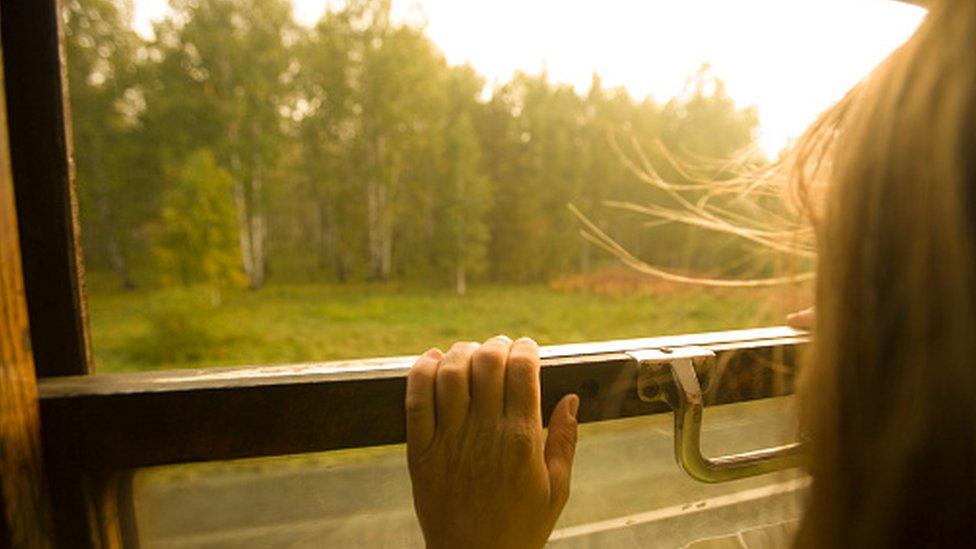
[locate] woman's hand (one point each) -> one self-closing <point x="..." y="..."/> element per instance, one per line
<point x="803" y="320"/>
<point x="482" y="474"/>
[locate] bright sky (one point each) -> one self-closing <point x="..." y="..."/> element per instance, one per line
<point x="790" y="58"/>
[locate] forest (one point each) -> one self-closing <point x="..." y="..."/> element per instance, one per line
<point x="237" y="147"/>
<point x="253" y="190"/>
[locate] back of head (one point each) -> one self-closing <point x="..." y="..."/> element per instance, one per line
<point x="889" y="397"/>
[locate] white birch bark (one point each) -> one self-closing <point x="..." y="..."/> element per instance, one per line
<point x="243" y="226"/>
<point x="259" y="231"/>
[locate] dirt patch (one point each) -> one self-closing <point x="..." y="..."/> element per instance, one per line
<point x="623" y="282"/>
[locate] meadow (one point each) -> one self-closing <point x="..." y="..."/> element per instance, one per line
<point x="179" y="328"/>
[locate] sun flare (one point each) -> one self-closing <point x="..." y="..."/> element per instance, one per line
<point x="791" y="59"/>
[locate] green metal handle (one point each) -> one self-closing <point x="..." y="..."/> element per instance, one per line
<point x="688" y="404"/>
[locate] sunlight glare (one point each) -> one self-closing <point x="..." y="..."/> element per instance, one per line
<point x="790" y="58"/>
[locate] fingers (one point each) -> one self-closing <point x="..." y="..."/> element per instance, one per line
<point x="488" y="376"/>
<point x="522" y="381"/>
<point x="560" y="449"/>
<point x="803" y="320"/>
<point x="420" y="400"/>
<point x="499" y="377"/>
<point x="452" y="386"/>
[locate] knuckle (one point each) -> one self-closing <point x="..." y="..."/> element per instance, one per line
<point x="523" y="367"/>
<point x="420" y="460"/>
<point x="415" y="405"/>
<point x="491" y="354"/>
<point x="461" y="347"/>
<point x="451" y="376"/>
<point x="524" y="358"/>
<point x="526" y="346"/>
<point x="522" y="440"/>
<point x="569" y="438"/>
<point x="560" y="494"/>
<point x="418" y="374"/>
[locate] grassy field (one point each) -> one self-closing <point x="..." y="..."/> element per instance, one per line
<point x="361" y="497"/>
<point x="281" y="324"/>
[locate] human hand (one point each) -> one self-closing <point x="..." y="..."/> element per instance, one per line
<point x="482" y="475"/>
<point x="803" y="320"/>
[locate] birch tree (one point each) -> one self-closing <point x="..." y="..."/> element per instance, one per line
<point x="196" y="242"/>
<point x="224" y="76"/>
<point x="106" y="100"/>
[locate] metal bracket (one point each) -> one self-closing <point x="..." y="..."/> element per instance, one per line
<point x="669" y="375"/>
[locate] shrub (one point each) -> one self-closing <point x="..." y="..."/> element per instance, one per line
<point x="181" y="330"/>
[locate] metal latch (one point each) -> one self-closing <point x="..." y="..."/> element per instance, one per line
<point x="668" y="375"/>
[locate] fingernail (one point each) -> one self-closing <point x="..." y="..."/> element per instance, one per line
<point x="503" y="337"/>
<point x="528" y="340"/>
<point x="434" y="354"/>
<point x="574" y="403"/>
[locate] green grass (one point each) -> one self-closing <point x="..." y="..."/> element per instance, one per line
<point x="282" y="324"/>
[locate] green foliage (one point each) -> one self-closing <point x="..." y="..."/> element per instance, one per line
<point x="178" y="330"/>
<point x="353" y="151"/>
<point x="465" y="201"/>
<point x="704" y="122"/>
<point x="221" y="76"/>
<point x="117" y="199"/>
<point x="197" y="241"/>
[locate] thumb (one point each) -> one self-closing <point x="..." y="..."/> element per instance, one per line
<point x="560" y="448"/>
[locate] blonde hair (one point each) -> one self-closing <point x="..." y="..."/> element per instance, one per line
<point x="887" y="180"/>
<point x="888" y="398"/>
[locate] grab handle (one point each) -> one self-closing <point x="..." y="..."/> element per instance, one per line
<point x="687" y="402"/>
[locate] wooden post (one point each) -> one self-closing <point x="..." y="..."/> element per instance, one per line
<point x="39" y="141"/>
<point x="25" y="517"/>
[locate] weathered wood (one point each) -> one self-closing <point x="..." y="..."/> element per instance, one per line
<point x="39" y="133"/>
<point x="110" y="499"/>
<point x="136" y="420"/>
<point x="91" y="510"/>
<point x="47" y="223"/>
<point x="24" y="510"/>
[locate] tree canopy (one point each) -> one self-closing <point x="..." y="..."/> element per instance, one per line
<point x="352" y="150"/>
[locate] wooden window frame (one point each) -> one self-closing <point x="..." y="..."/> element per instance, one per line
<point x="47" y="211"/>
<point x="124" y="421"/>
<point x="95" y="430"/>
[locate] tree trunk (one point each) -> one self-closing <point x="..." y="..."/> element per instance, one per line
<point x="379" y="217"/>
<point x="326" y="236"/>
<point x="373" y="226"/>
<point x="585" y="256"/>
<point x="251" y="225"/>
<point x="119" y="263"/>
<point x="389" y="195"/>
<point x="116" y="257"/>
<point x="343" y="254"/>
<point x="320" y="235"/>
<point x="243" y="227"/>
<point x="259" y="231"/>
<point x="461" y="280"/>
<point x="385" y="234"/>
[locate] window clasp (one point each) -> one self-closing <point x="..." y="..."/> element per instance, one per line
<point x="668" y="375"/>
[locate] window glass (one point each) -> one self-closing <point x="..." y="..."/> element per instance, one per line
<point x="262" y="181"/>
<point x="627" y="492"/>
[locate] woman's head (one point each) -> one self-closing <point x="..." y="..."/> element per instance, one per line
<point x="889" y="397"/>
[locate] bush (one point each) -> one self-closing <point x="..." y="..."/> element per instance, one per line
<point x="180" y="331"/>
